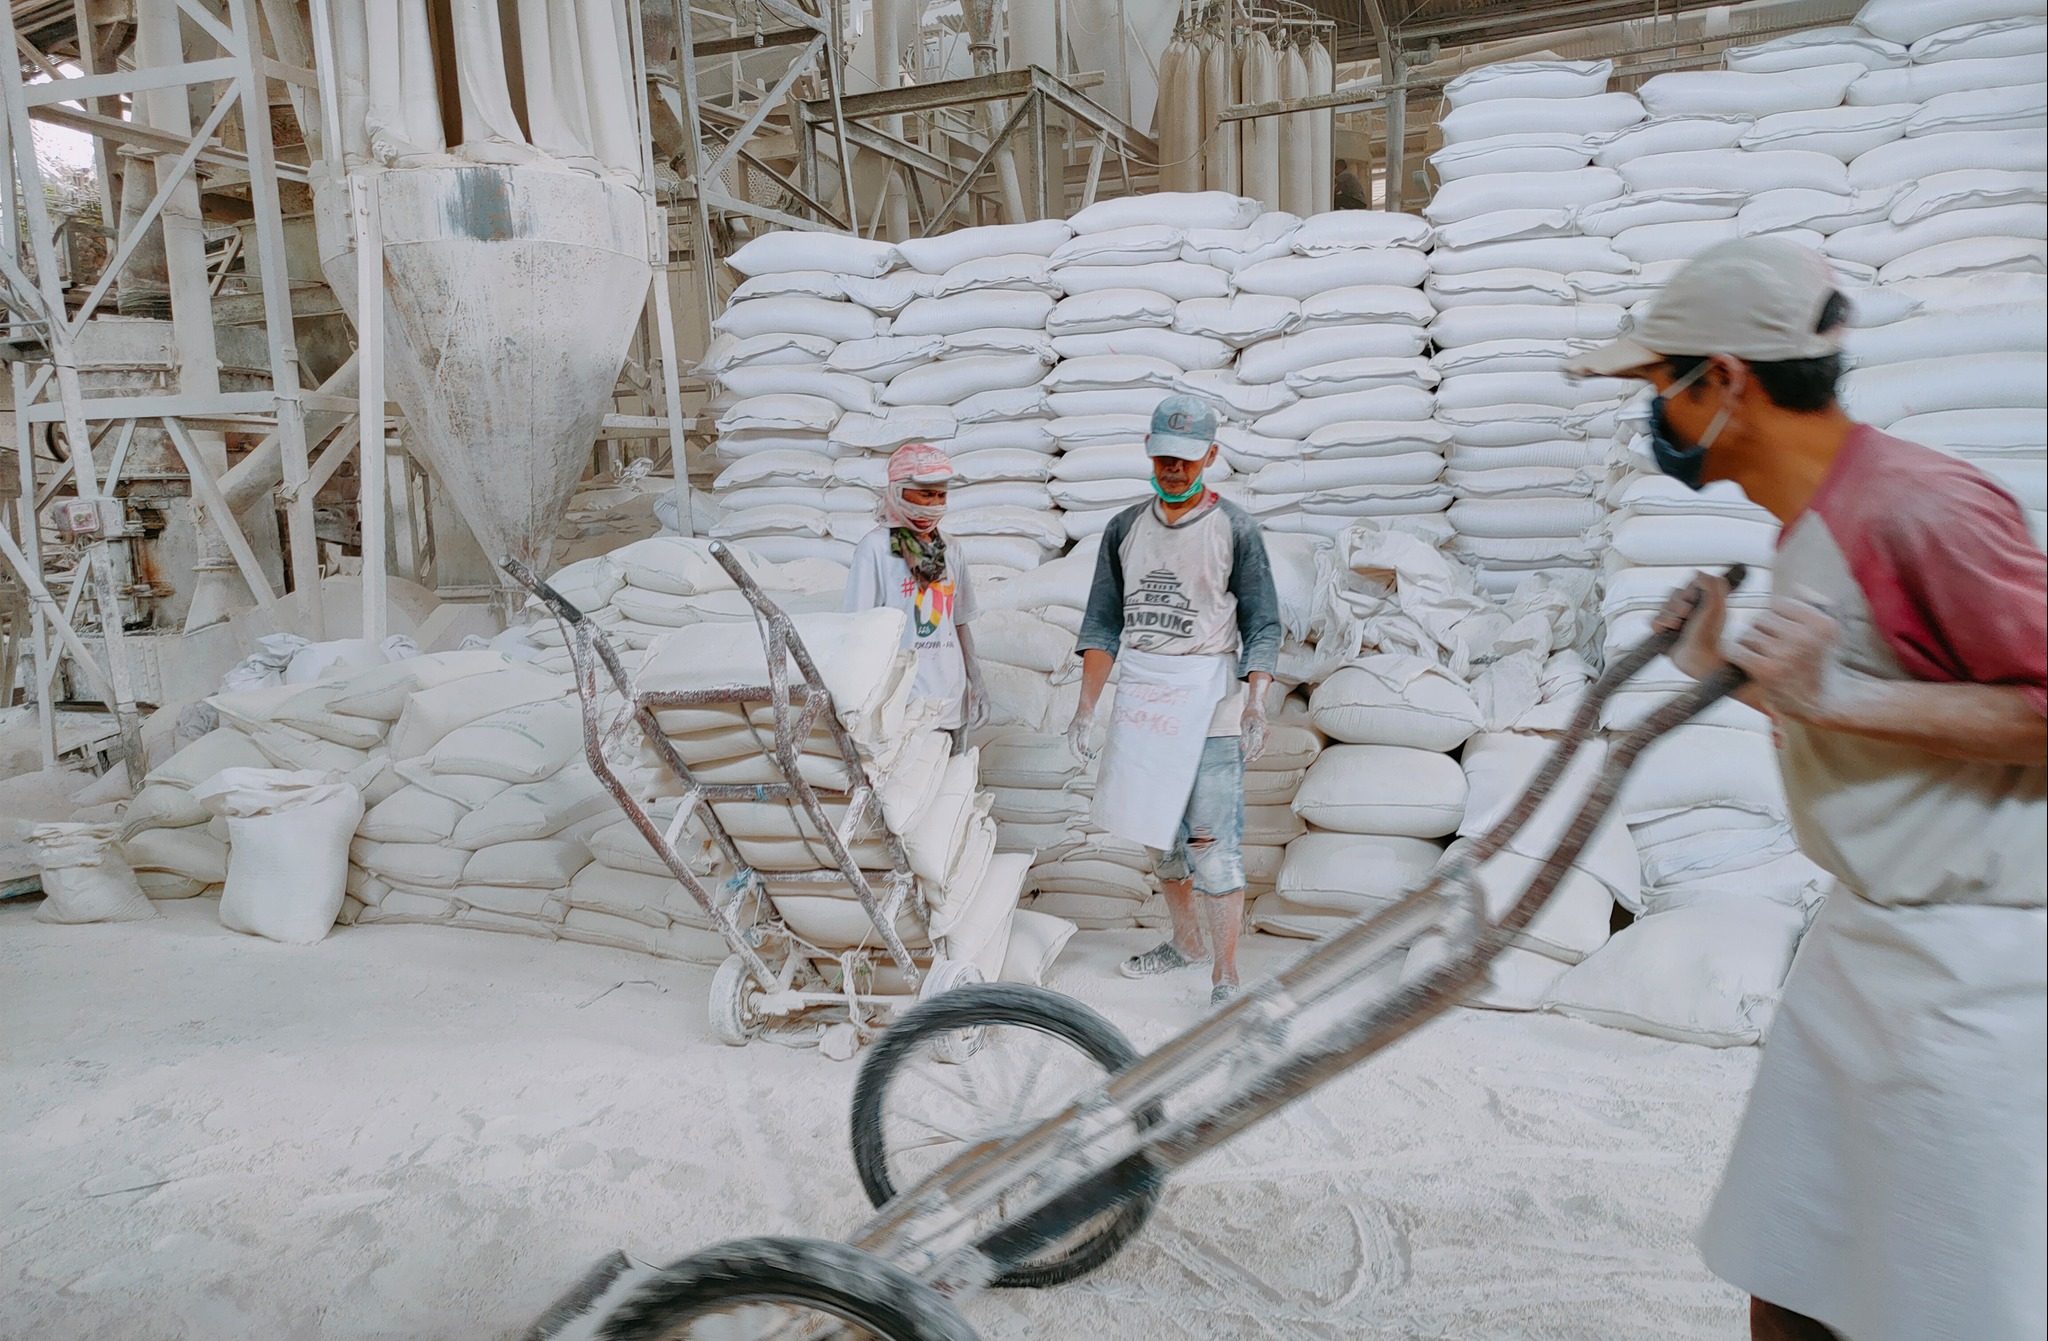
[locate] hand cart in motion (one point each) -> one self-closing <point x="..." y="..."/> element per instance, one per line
<point x="772" y="973"/>
<point x="1035" y="1198"/>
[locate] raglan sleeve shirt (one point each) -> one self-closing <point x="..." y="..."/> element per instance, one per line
<point x="1102" y="623"/>
<point x="1958" y="590"/>
<point x="1258" y="601"/>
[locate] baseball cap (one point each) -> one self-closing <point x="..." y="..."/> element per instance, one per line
<point x="1183" y="427"/>
<point x="919" y="463"/>
<point x="1756" y="298"/>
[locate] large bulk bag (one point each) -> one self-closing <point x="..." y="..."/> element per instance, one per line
<point x="797" y="314"/>
<point x="1879" y="244"/>
<point x="1735" y="93"/>
<point x="1392" y="699"/>
<point x="1560" y="254"/>
<point x="1270" y="361"/>
<point x="1021" y="308"/>
<point x="937" y="255"/>
<point x="1349" y="230"/>
<point x="1838" y="132"/>
<point x="1176" y="209"/>
<point x="288" y="850"/>
<point x="1521" y="190"/>
<point x="2014" y="108"/>
<point x="1888" y="394"/>
<point x="953" y="380"/>
<point x="1589" y="115"/>
<point x="1669" y="135"/>
<point x="1239" y="320"/>
<point x="1681" y="205"/>
<point x="1343" y="873"/>
<point x="840" y="253"/>
<point x="2014" y="257"/>
<point x="1919" y="83"/>
<point x="1912" y="159"/>
<point x="1112" y="309"/>
<point x="1737" y="170"/>
<point x="1539" y="152"/>
<point x="1843" y="44"/>
<point x="1383" y="789"/>
<point x="1301" y="277"/>
<point x="1176" y="280"/>
<point x="1708" y="973"/>
<point x="1529" y="79"/>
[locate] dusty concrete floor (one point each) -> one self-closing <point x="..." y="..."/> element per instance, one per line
<point x="424" y="1134"/>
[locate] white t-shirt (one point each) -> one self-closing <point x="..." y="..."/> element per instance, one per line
<point x="934" y="615"/>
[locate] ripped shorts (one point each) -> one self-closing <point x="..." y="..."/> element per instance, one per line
<point x="1215" y="812"/>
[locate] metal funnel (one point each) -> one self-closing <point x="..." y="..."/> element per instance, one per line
<point x="510" y="296"/>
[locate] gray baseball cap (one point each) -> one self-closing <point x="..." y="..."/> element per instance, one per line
<point x="1756" y="298"/>
<point x="1183" y="427"/>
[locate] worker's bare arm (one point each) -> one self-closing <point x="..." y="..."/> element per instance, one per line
<point x="1095" y="667"/>
<point x="1983" y="723"/>
<point x="1791" y="658"/>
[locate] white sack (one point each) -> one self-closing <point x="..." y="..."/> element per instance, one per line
<point x="1739" y="170"/>
<point x="288" y="849"/>
<point x="1735" y="93"/>
<point x="1301" y="277"/>
<point x="84" y="876"/>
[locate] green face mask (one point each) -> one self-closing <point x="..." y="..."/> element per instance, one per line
<point x="1194" y="491"/>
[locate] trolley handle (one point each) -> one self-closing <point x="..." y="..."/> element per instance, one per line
<point x="555" y="601"/>
<point x="1661" y="642"/>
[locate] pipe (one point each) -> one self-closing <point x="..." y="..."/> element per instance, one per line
<point x="890" y="39"/>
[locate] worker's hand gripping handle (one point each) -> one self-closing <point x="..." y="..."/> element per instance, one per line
<point x="554" y="600"/>
<point x="1663" y="640"/>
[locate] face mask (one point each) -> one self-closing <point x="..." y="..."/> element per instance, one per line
<point x="1684" y="462"/>
<point x="897" y="511"/>
<point x="1193" y="491"/>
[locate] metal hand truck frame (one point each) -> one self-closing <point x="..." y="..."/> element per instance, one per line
<point x="771" y="974"/>
<point x="1057" y="1200"/>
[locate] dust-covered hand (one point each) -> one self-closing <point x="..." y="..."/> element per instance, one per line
<point x="977" y="705"/>
<point x="1790" y="655"/>
<point x="1081" y="735"/>
<point x="1254" y="732"/>
<point x="1700" y="609"/>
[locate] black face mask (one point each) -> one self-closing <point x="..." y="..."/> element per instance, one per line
<point x="1683" y="461"/>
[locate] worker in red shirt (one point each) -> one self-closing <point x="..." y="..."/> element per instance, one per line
<point x="1888" y="1182"/>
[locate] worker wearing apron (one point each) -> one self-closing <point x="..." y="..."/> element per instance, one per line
<point x="1183" y="602"/>
<point x="1887" y="1182"/>
<point x="906" y="564"/>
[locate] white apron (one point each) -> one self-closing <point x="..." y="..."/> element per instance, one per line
<point x="1156" y="730"/>
<point x="1889" y="1178"/>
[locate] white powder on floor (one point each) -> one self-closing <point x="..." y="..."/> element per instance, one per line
<point x="411" y="1132"/>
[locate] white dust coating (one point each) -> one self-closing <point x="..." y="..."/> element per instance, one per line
<point x="410" y="1132"/>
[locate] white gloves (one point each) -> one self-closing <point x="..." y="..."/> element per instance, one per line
<point x="1081" y="735"/>
<point x="1254" y="731"/>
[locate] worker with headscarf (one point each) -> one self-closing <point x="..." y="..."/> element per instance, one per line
<point x="1888" y="1182"/>
<point x="1183" y="603"/>
<point x="906" y="564"/>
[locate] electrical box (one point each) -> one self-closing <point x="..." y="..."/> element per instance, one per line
<point x="90" y="518"/>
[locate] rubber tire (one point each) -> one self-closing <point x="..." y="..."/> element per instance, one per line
<point x="728" y="1010"/>
<point x="869" y="1292"/>
<point x="1038" y="1008"/>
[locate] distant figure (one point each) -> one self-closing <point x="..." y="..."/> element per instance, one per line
<point x="1350" y="193"/>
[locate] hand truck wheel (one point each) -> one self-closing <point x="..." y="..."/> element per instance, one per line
<point x="734" y="1021"/>
<point x="1038" y="1050"/>
<point x="756" y="1288"/>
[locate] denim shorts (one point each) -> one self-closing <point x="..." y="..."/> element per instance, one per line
<point x="1215" y="812"/>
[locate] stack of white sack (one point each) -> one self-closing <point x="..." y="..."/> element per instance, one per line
<point x="930" y="803"/>
<point x="651" y="588"/>
<point x="776" y="389"/>
<point x="1330" y="399"/>
<point x="1129" y="269"/>
<point x="1518" y="284"/>
<point x="615" y="509"/>
<point x="1967" y="374"/>
<point x="960" y="368"/>
<point x="1436" y="662"/>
